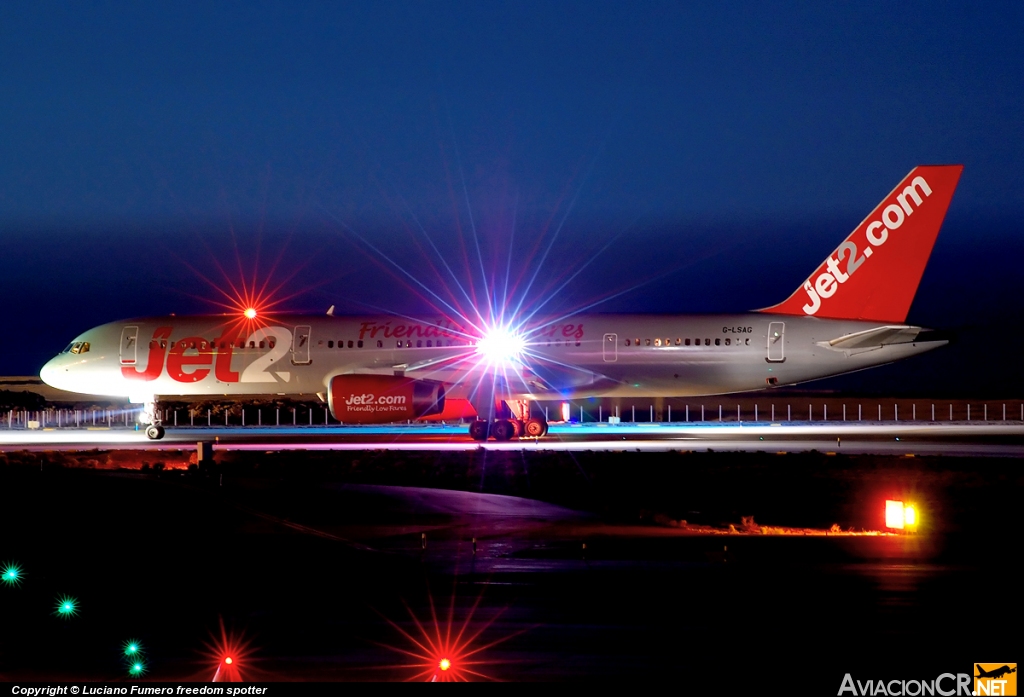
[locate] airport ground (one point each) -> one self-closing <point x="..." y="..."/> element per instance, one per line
<point x="701" y="569"/>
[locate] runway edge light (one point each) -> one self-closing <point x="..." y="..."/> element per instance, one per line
<point x="894" y="515"/>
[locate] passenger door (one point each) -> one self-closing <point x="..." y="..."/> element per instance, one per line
<point x="129" y="345"/>
<point x="776" y="342"/>
<point x="610" y="348"/>
<point x="300" y="346"/>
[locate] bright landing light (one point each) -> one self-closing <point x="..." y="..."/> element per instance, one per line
<point x="250" y="313"/>
<point x="500" y="345"/>
<point x="445" y="664"/>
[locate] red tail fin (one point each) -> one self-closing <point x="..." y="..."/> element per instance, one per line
<point x="874" y="273"/>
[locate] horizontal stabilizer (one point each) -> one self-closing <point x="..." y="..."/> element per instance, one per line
<point x="872" y="339"/>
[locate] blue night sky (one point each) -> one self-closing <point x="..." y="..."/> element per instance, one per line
<point x="695" y="159"/>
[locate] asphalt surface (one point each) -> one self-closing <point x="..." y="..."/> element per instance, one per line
<point x="327" y="578"/>
<point x="979" y="439"/>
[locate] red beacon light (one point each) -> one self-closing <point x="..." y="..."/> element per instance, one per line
<point x="228" y="660"/>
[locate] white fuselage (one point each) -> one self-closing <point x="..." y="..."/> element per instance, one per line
<point x="579" y="356"/>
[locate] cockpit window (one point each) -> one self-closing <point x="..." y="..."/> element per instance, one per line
<point x="79" y="347"/>
<point x="67" y="349"/>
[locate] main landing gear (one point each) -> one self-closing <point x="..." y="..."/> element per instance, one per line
<point x="508" y="429"/>
<point x="154" y="431"/>
<point x="517" y="424"/>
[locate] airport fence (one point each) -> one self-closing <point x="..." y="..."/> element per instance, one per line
<point x="800" y="410"/>
<point x="664" y="411"/>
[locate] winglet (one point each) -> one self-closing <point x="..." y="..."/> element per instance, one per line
<point x="874" y="273"/>
<point x="330" y="311"/>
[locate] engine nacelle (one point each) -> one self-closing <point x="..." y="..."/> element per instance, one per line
<point x="381" y="399"/>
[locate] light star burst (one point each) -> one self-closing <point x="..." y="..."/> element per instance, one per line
<point x="12" y="574"/>
<point x="67" y="607"/>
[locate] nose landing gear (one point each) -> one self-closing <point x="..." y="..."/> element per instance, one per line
<point x="150" y="415"/>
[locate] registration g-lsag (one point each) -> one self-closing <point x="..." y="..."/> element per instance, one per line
<point x="849" y="314"/>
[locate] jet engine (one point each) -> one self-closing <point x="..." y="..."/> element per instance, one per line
<point x="380" y="399"/>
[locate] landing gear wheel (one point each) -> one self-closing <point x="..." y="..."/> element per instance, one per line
<point x="154" y="432"/>
<point x="520" y="428"/>
<point x="478" y="430"/>
<point x="536" y="428"/>
<point x="503" y="429"/>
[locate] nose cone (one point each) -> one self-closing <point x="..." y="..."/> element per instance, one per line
<point x="52" y="373"/>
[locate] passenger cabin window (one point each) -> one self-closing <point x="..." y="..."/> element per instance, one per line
<point x="380" y="344"/>
<point x="707" y="342"/>
<point x="687" y="342"/>
<point x="678" y="341"/>
<point x="727" y="342"/>
<point x="330" y="344"/>
<point x="627" y="342"/>
<point x="657" y="342"/>
<point x="718" y="342"/>
<point x="647" y="342"/>
<point x="350" y="344"/>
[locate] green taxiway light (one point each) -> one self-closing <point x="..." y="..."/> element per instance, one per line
<point x="11" y="574"/>
<point x="67" y="607"/>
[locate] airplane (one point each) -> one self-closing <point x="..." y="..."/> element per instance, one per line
<point x="848" y="315"/>
<point x="995" y="672"/>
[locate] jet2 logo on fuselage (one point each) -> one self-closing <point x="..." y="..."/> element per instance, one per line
<point x="191" y="359"/>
